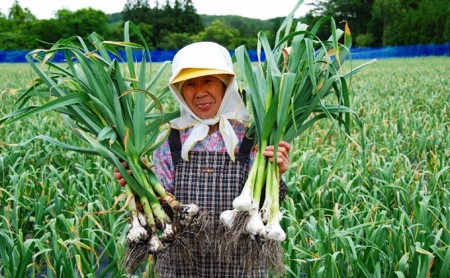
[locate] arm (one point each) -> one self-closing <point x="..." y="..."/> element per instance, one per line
<point x="163" y="166"/>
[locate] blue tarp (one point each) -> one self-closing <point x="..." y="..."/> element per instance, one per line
<point x="18" y="56"/>
<point x="418" y="50"/>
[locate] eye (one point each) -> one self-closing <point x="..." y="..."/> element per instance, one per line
<point x="188" y="84"/>
<point x="210" y="79"/>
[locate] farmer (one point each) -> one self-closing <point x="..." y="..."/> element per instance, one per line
<point x="207" y="157"/>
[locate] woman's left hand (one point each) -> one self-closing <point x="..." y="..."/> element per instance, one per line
<point x="282" y="155"/>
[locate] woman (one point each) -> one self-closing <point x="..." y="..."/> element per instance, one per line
<point x="207" y="157"/>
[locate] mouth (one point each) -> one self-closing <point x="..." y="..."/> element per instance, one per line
<point x="204" y="106"/>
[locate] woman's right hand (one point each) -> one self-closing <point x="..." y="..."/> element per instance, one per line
<point x="118" y="175"/>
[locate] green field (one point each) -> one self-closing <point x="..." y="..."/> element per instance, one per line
<point x="381" y="209"/>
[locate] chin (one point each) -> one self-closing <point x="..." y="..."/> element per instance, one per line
<point x="205" y="116"/>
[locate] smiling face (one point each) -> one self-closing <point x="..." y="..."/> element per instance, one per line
<point x="203" y="95"/>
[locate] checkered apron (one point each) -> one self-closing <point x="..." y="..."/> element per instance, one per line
<point x="212" y="181"/>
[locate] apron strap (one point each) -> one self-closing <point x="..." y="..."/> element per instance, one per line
<point x="246" y="145"/>
<point x="174" y="140"/>
<point x="175" y="146"/>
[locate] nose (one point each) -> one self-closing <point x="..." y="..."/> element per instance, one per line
<point x="200" y="91"/>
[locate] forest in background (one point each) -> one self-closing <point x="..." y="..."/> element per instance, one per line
<point x="173" y="24"/>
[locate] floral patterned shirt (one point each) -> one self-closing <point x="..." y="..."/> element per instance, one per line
<point x="162" y="158"/>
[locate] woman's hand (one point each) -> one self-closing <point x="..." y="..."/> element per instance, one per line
<point x="118" y="175"/>
<point x="282" y="155"/>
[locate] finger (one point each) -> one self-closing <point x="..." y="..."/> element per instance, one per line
<point x="269" y="148"/>
<point x="122" y="182"/>
<point x="280" y="161"/>
<point x="283" y="154"/>
<point x="269" y="152"/>
<point x="281" y="148"/>
<point x="284" y="165"/>
<point x="118" y="175"/>
<point x="283" y="161"/>
<point x="285" y="145"/>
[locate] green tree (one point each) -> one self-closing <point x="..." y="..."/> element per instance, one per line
<point x="82" y="22"/>
<point x="177" y="16"/>
<point x="431" y="28"/>
<point x="4" y="23"/>
<point x="384" y="17"/>
<point x="405" y="22"/>
<point x="44" y="38"/>
<point x="14" y="33"/>
<point x="248" y="27"/>
<point x="20" y="15"/>
<point x="42" y="33"/>
<point x="176" y="40"/>
<point x="136" y="11"/>
<point x="357" y="13"/>
<point x="220" y="33"/>
<point x="140" y="13"/>
<point x="189" y="19"/>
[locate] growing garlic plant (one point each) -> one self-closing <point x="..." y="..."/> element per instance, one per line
<point x="298" y="83"/>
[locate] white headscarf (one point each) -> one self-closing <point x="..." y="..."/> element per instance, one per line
<point x="212" y="56"/>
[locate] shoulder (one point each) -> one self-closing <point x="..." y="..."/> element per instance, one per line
<point x="240" y="128"/>
<point x="163" y="140"/>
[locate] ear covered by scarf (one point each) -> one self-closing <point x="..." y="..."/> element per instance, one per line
<point x="201" y="59"/>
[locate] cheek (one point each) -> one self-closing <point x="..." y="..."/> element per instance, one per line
<point x="219" y="93"/>
<point x="189" y="100"/>
<point x="186" y="95"/>
<point x="220" y="97"/>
